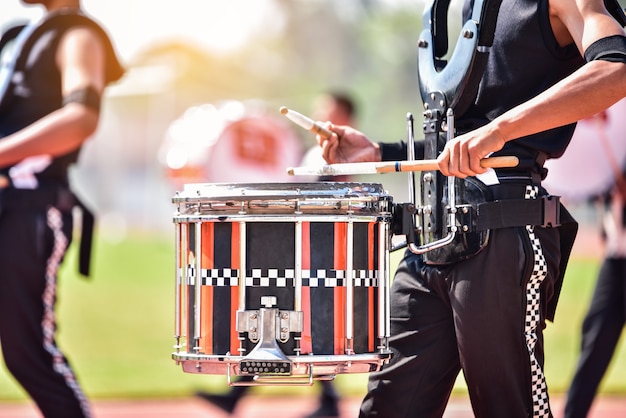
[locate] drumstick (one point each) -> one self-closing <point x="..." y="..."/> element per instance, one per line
<point x="390" y="167"/>
<point x="305" y="122"/>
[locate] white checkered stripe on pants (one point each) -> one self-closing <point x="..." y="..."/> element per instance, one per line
<point x="541" y="405"/>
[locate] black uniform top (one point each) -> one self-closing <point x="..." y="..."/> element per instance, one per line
<point x="525" y="60"/>
<point x="35" y="90"/>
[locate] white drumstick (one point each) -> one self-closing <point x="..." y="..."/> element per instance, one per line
<point x="344" y="169"/>
<point x="390" y="167"/>
<point x="306" y="122"/>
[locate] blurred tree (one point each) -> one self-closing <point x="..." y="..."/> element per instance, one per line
<point x="365" y="46"/>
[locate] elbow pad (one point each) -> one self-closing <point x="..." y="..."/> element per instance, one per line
<point x="610" y="48"/>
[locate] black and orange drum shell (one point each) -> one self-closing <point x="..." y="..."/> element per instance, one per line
<point x="314" y="232"/>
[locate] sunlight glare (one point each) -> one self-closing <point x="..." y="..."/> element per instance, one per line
<point x="221" y="26"/>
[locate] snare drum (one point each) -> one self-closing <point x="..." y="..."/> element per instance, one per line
<point x="282" y="279"/>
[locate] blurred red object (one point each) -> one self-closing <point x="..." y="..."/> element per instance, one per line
<point x="228" y="143"/>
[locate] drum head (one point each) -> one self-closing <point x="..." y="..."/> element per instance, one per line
<point x="237" y="199"/>
<point x="586" y="169"/>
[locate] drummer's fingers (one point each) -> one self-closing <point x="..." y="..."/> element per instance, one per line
<point x="475" y="166"/>
<point x="460" y="161"/>
<point x="475" y="153"/>
<point x="465" y="158"/>
<point x="320" y="140"/>
<point x="329" y="147"/>
<point x="443" y="162"/>
<point x="334" y="155"/>
<point x="457" y="162"/>
<point x="323" y="143"/>
<point x="320" y="137"/>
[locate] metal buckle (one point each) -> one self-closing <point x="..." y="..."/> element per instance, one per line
<point x="551" y="211"/>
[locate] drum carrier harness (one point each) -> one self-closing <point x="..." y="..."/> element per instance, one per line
<point x="445" y="231"/>
<point x="454" y="215"/>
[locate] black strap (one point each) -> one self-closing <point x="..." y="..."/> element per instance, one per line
<point x="63" y="199"/>
<point x="616" y="11"/>
<point x="543" y="211"/>
<point x="86" y="238"/>
<point x="459" y="78"/>
<point x="567" y="234"/>
<point x="486" y="34"/>
<point x="9" y="35"/>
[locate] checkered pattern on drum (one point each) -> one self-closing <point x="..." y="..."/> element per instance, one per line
<point x="541" y="405"/>
<point x="283" y="277"/>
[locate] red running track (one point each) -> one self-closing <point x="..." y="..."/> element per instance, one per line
<point x="272" y="407"/>
<point x="588" y="244"/>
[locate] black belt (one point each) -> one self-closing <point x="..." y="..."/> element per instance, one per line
<point x="37" y="199"/>
<point x="543" y="211"/>
<point x="61" y="198"/>
<point x="508" y="208"/>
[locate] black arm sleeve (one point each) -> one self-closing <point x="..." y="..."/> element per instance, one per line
<point x="87" y="96"/>
<point x="611" y="48"/>
<point x="396" y="151"/>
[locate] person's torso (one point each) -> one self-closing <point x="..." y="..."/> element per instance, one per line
<point x="525" y="60"/>
<point x="36" y="91"/>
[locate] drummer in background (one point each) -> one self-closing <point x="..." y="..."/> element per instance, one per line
<point x="340" y="108"/>
<point x="485" y="314"/>
<point x="49" y="107"/>
<point x="606" y="316"/>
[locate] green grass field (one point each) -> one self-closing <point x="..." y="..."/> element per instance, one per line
<point x="117" y="328"/>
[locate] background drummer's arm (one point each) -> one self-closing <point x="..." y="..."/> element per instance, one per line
<point x="80" y="59"/>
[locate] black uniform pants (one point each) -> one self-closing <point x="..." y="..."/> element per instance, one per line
<point x="485" y="316"/>
<point x="601" y="331"/>
<point x="32" y="246"/>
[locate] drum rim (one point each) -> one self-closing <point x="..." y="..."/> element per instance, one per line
<point x="247" y="191"/>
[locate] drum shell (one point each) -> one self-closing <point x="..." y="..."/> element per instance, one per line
<point x="336" y="229"/>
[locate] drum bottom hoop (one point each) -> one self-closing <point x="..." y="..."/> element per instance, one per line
<point x="302" y="366"/>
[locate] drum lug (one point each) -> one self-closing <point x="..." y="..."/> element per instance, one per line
<point x="290" y="321"/>
<point x="248" y="322"/>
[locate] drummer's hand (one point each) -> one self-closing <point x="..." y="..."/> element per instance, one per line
<point x="461" y="155"/>
<point x="347" y="145"/>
